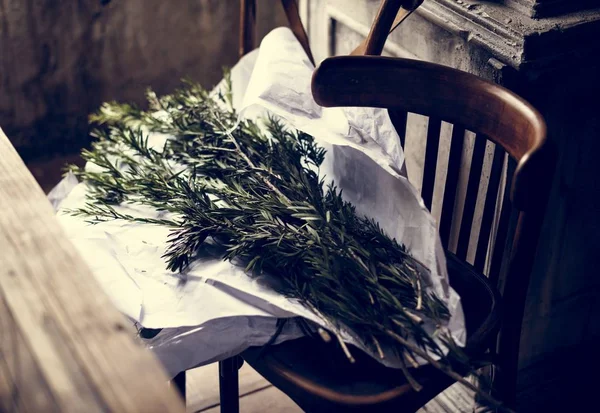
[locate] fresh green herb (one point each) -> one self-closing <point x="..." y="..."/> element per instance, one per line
<point x="258" y="195"/>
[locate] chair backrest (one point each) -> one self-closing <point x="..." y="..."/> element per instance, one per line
<point x="511" y="216"/>
<point x="494" y="114"/>
<point x="510" y="221"/>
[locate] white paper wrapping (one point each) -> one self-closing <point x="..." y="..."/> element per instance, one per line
<point x="215" y="310"/>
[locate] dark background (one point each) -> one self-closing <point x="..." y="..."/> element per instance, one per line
<point x="61" y="59"/>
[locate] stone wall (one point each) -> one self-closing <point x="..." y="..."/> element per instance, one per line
<point x="60" y="59"/>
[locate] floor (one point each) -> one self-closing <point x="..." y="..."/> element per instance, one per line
<point x="258" y="396"/>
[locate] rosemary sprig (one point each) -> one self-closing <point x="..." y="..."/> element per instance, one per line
<point x="258" y="195"/>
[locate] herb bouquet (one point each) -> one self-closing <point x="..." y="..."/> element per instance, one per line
<point x="256" y="192"/>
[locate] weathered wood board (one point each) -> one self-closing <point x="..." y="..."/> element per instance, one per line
<point x="63" y="346"/>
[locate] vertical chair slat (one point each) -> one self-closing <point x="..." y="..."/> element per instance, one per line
<point x="431" y="155"/>
<point x="399" y="119"/>
<point x="489" y="208"/>
<point x="454" y="161"/>
<point x="247" y="26"/>
<point x="499" y="246"/>
<point x="471" y="197"/>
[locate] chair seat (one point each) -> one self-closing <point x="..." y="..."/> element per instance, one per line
<point x="318" y="377"/>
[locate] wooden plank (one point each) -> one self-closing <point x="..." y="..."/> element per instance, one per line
<point x="71" y="342"/>
<point x="16" y="394"/>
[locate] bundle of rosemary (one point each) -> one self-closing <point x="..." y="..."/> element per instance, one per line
<point x="256" y="192"/>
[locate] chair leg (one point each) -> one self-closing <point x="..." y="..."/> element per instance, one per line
<point x="179" y="383"/>
<point x="228" y="384"/>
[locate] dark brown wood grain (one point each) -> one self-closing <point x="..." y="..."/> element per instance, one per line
<point x="433" y="90"/>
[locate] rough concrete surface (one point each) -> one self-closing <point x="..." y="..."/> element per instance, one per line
<point x="60" y="59"/>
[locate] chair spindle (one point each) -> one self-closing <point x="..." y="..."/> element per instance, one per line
<point x="489" y="209"/>
<point x="399" y="119"/>
<point x="431" y="155"/>
<point x="471" y="197"/>
<point x="454" y="161"/>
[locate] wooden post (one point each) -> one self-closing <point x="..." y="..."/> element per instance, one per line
<point x="63" y="346"/>
<point x="247" y="26"/>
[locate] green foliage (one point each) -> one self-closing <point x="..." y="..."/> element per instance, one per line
<point x="257" y="194"/>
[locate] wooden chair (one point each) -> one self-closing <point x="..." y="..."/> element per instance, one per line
<point x="316" y="375"/>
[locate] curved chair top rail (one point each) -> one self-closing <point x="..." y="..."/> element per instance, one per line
<point x="449" y="94"/>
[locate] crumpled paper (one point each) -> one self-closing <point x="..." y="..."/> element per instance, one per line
<point x="215" y="310"/>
